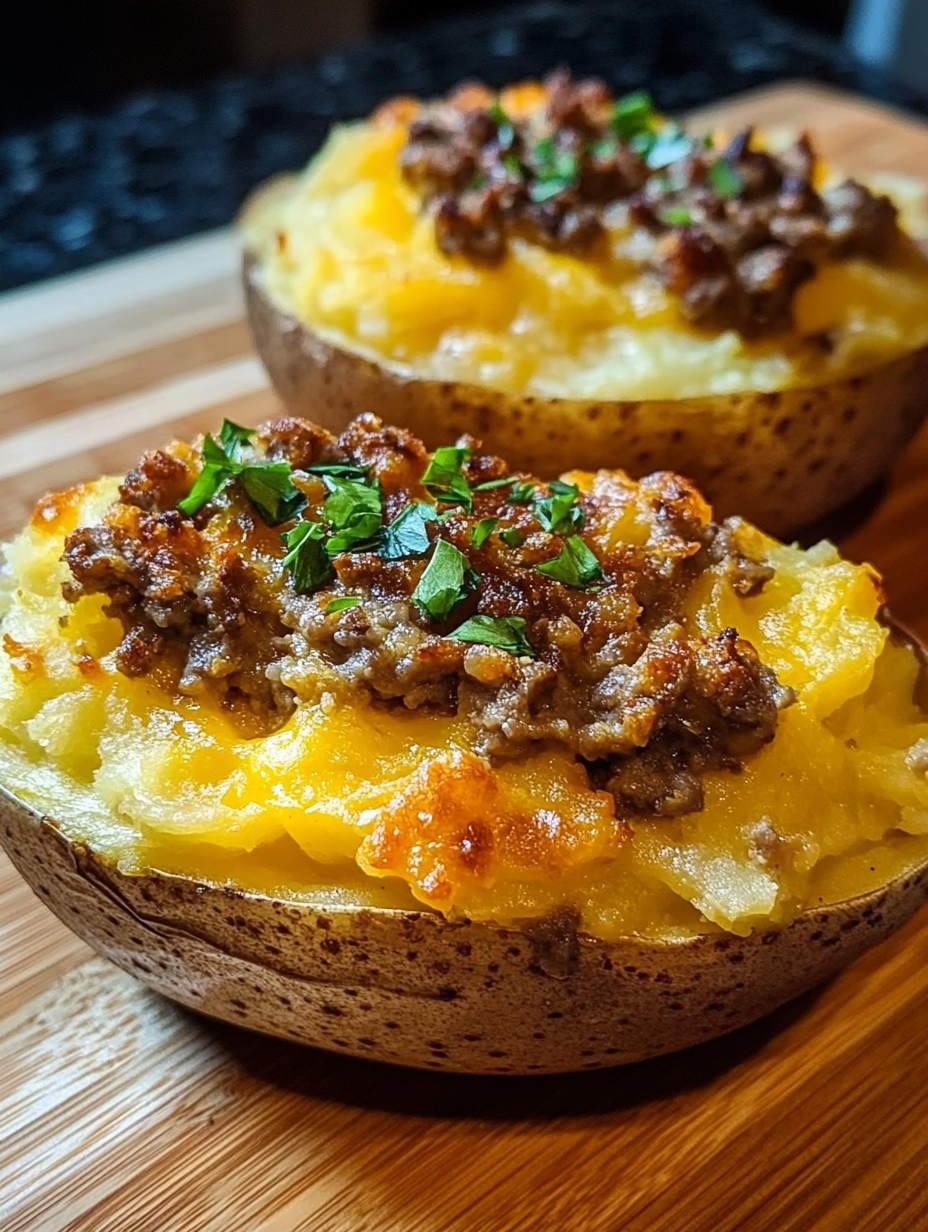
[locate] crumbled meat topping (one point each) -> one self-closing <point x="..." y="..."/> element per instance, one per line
<point x="731" y="232"/>
<point x="539" y="613"/>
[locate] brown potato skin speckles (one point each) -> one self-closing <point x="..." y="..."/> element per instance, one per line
<point x="781" y="460"/>
<point x="387" y="984"/>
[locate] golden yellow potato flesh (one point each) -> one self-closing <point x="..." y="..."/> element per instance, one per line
<point x="238" y="875"/>
<point x="782" y="459"/>
<point x="558" y="361"/>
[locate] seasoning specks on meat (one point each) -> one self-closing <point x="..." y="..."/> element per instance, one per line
<point x="732" y="233"/>
<point x="603" y="664"/>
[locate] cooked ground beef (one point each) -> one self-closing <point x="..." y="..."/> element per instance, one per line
<point x="615" y="674"/>
<point x="731" y="233"/>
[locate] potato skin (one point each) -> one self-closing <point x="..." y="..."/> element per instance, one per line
<point x="415" y="989"/>
<point x="782" y="460"/>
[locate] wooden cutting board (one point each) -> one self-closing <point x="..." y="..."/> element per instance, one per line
<point x="122" y="1113"/>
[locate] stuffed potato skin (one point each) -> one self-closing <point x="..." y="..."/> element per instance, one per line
<point x="416" y="989"/>
<point x="334" y="963"/>
<point x="781" y="459"/>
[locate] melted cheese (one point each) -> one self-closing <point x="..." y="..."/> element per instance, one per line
<point x="350" y="252"/>
<point x="392" y="807"/>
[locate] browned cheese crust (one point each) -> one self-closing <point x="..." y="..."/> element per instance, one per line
<point x="734" y="231"/>
<point x="602" y="663"/>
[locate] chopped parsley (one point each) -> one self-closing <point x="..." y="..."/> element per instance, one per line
<point x="555" y="169"/>
<point x="353" y="522"/>
<point x="513" y="166"/>
<point x="444" y="477"/>
<point x="633" y="115"/>
<point x="270" y="489"/>
<point x="575" y="565"/>
<point x="512" y="537"/>
<point x="490" y="485"/>
<point x="233" y="438"/>
<point x="505" y="129"/>
<point x="676" y="216"/>
<point x="329" y="471"/>
<point x="605" y="147"/>
<point x="355" y="512"/>
<point x="506" y="632"/>
<point x="724" y="179"/>
<point x="445" y="582"/>
<point x="522" y="494"/>
<point x="268" y="485"/>
<point x="307" y="558"/>
<point x="342" y="604"/>
<point x="482" y="531"/>
<point x="669" y="146"/>
<point x="407" y="534"/>
<point x="559" y="513"/>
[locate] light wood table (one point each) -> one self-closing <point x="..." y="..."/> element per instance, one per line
<point x="122" y="1113"/>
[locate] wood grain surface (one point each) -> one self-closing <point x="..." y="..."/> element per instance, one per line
<point x="121" y="1113"/>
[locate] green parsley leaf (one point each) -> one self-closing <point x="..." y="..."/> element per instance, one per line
<point x="724" y="178"/>
<point x="270" y="489"/>
<point x="444" y="583"/>
<point x="559" y="513"/>
<point x="482" y="531"/>
<point x="268" y="485"/>
<point x="492" y="484"/>
<point x="478" y="183"/>
<point x="511" y="537"/>
<point x="210" y="479"/>
<point x="355" y="512"/>
<point x="605" y="147"/>
<point x="522" y="494"/>
<point x="632" y="115"/>
<point x="676" y="216"/>
<point x="544" y="190"/>
<point x="328" y="471"/>
<point x="543" y="153"/>
<point x="670" y="145"/>
<point x="363" y="535"/>
<point x="564" y="164"/>
<point x="349" y="500"/>
<point x="342" y="604"/>
<point x="512" y="165"/>
<point x="556" y="169"/>
<point x="505" y="130"/>
<point x="407" y="535"/>
<point x="233" y="437"/>
<point x="306" y="556"/>
<point x="575" y="565"/>
<point x="506" y="632"/>
<point x="444" y="479"/>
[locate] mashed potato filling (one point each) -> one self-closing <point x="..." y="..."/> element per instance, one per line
<point x="394" y="808"/>
<point x="349" y="251"/>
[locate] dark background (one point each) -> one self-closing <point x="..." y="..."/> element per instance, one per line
<point x="63" y="55"/>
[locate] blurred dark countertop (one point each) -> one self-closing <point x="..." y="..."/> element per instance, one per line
<point x="163" y="165"/>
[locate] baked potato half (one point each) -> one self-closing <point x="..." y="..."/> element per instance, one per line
<point x="575" y="281"/>
<point x="783" y="458"/>
<point x="407" y="755"/>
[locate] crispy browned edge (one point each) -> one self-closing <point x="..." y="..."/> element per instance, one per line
<point x="783" y="460"/>
<point x="413" y="988"/>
